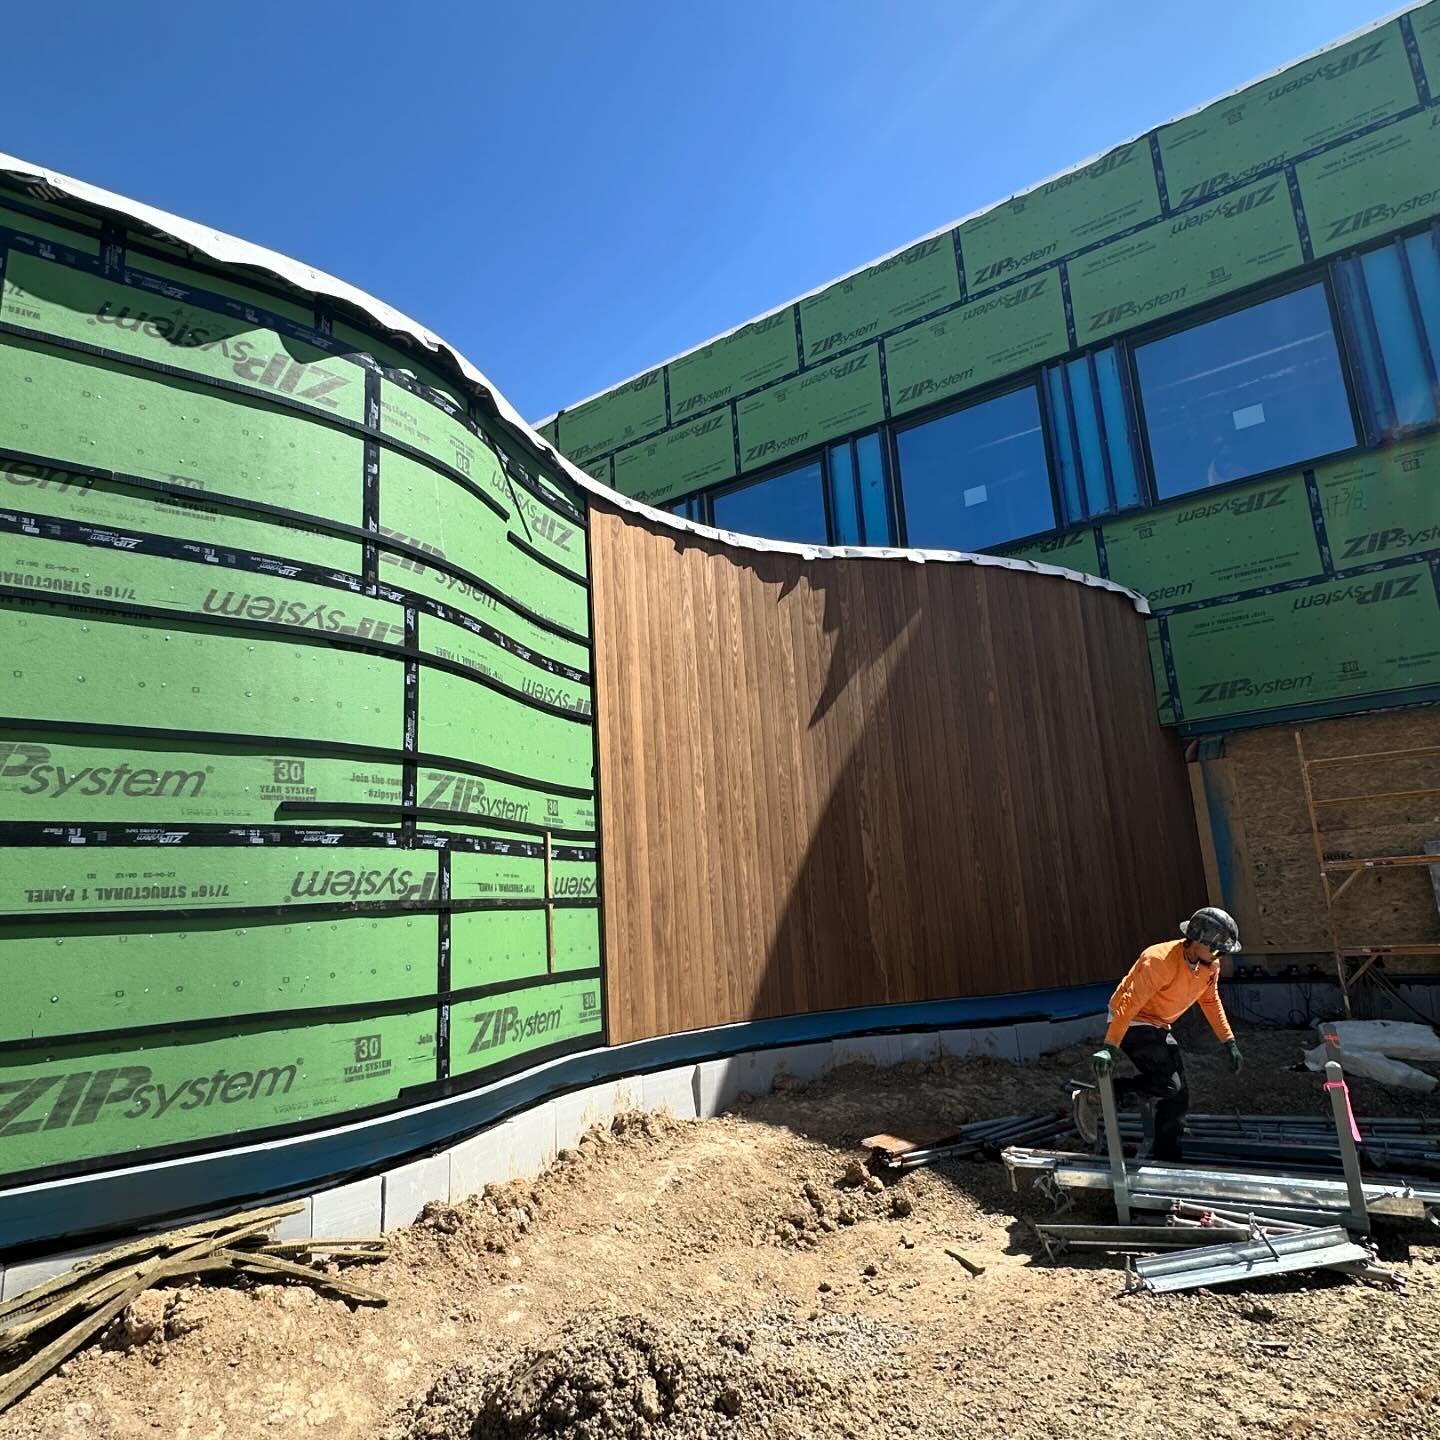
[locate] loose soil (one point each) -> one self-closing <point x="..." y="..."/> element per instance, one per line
<point x="729" y="1278"/>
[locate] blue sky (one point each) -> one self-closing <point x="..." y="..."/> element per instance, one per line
<point x="570" y="191"/>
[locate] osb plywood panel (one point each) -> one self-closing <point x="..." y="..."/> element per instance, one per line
<point x="1258" y="784"/>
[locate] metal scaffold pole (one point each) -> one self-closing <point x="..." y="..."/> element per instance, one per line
<point x="1120" y="1181"/>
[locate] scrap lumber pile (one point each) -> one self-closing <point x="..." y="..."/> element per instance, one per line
<point x="45" y="1326"/>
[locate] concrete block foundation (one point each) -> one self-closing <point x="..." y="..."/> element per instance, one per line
<point x="409" y="1188"/>
<point x="351" y="1210"/>
<point x="670" y="1091"/>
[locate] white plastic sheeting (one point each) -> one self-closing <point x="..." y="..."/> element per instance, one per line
<point x="1378" y="1050"/>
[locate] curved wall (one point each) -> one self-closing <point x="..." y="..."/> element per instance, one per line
<point x="840" y="783"/>
<point x="299" y="813"/>
<point x="297" y="761"/>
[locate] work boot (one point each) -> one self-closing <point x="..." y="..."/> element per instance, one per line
<point x="1085" y="1106"/>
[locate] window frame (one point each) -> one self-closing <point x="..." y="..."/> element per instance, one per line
<point x="1356" y="254"/>
<point x="1032" y="380"/>
<point x="805" y="458"/>
<point x="1134" y="431"/>
<point x="1318" y="272"/>
<point x="888" y="477"/>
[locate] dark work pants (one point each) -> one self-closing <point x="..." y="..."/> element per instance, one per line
<point x="1157" y="1057"/>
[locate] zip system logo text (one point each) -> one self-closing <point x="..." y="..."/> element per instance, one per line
<point x="373" y="884"/>
<point x="275" y="371"/>
<point x="1243" y="687"/>
<point x="81" y="1097"/>
<point x="500" y="1026"/>
<point x="1396" y="587"/>
<point x="1377" y="542"/>
<point x="1268" y="499"/>
<point x="303" y="614"/>
<point x="31" y="764"/>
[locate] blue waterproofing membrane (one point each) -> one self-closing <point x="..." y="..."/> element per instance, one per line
<point x="33" y="1218"/>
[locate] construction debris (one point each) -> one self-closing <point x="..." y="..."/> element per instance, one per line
<point x="970" y="1265"/>
<point x="1275" y="1194"/>
<point x="1293" y="1215"/>
<point x="1270" y="1221"/>
<point x="1330" y="1248"/>
<point x="892" y="1155"/>
<point x="41" y="1329"/>
<point x="1057" y="1238"/>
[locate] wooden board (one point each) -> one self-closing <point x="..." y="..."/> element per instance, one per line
<point x="841" y="783"/>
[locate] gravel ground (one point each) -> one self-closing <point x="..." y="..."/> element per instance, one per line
<point x="729" y="1278"/>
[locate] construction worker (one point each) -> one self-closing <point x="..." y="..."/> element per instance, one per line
<point x="1162" y="985"/>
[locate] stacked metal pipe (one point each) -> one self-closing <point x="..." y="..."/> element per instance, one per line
<point x="982" y="1138"/>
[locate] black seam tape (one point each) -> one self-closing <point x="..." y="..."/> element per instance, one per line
<point x="302" y="520"/>
<point x="129" y="610"/>
<point x="338" y="748"/>
<point x="540" y="559"/>
<point x="256" y="562"/>
<point x="356" y="1010"/>
<point x="255" y="913"/>
<point x="41" y="834"/>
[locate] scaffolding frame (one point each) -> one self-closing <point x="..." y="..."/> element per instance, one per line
<point x="1362" y="957"/>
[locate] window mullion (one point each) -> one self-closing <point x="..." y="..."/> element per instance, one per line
<point x="1417" y="319"/>
<point x="1081" y="490"/>
<point x="1111" y="503"/>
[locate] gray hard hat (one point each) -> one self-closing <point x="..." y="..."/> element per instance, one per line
<point x="1213" y="927"/>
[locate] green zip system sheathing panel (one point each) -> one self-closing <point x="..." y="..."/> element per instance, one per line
<point x="78" y="306"/>
<point x="483" y="1032"/>
<point x="1376" y="633"/>
<point x="97" y="1100"/>
<point x="91" y="977"/>
<point x="62" y="494"/>
<point x="296" y="754"/>
<point x="82" y="409"/>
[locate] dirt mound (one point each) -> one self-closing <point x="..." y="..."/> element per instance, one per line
<point x="627" y="1376"/>
<point x="775" y="1281"/>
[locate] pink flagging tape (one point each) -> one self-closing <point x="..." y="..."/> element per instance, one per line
<point x="1349" y="1111"/>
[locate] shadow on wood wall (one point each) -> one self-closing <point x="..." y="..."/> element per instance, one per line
<point x="838" y="783"/>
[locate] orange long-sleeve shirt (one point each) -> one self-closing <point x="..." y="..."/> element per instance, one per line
<point x="1161" y="987"/>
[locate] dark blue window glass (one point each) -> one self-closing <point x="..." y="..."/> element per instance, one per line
<point x="1091" y="433"/>
<point x="1119" y="443"/>
<point x="859" y="504"/>
<point x="1253" y="391"/>
<point x="874" y="501"/>
<point x="844" y="515"/>
<point x="789" y="506"/>
<point x="1391" y="300"/>
<point x="1422" y="254"/>
<point x="977" y="477"/>
<point x="691" y="508"/>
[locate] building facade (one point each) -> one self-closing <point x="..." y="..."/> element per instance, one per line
<point x="325" y="678"/>
<point x="1203" y="365"/>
